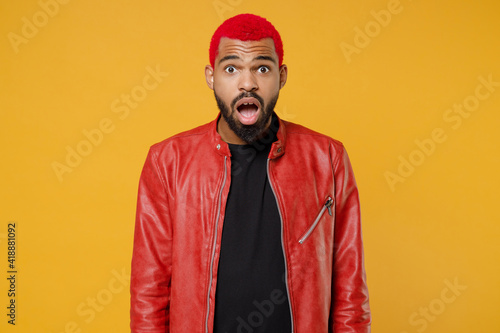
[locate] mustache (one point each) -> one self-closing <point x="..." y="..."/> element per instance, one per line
<point x="245" y="95"/>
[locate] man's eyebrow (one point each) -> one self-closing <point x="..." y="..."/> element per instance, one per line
<point x="229" y="57"/>
<point x="262" y="57"/>
<point x="235" y="57"/>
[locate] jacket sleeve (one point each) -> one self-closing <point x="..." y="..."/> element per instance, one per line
<point x="151" y="258"/>
<point x="350" y="310"/>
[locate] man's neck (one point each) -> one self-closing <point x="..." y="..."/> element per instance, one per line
<point x="229" y="136"/>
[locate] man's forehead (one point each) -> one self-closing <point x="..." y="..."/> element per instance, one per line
<point x="264" y="47"/>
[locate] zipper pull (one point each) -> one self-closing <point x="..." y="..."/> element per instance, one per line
<point x="328" y="204"/>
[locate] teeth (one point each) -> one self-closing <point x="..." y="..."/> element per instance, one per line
<point x="247" y="103"/>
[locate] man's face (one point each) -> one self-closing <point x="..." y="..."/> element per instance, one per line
<point x="246" y="81"/>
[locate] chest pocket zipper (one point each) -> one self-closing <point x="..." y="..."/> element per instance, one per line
<point x="327" y="206"/>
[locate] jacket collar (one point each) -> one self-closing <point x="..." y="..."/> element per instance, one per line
<point x="221" y="147"/>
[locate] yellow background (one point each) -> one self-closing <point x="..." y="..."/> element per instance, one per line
<point x="437" y="225"/>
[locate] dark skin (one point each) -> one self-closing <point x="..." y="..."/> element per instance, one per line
<point x="248" y="67"/>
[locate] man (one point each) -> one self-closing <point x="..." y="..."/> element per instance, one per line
<point x="248" y="223"/>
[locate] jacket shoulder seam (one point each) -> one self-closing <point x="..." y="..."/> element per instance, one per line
<point x="154" y="158"/>
<point x="340" y="152"/>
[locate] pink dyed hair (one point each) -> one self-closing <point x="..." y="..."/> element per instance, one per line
<point x="246" y="27"/>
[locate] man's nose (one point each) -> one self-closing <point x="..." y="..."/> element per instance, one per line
<point x="248" y="81"/>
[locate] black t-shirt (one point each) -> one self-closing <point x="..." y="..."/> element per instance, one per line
<point x="251" y="295"/>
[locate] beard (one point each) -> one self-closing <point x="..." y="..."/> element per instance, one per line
<point x="247" y="133"/>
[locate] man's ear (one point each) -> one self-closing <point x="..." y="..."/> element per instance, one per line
<point x="283" y="75"/>
<point x="209" y="76"/>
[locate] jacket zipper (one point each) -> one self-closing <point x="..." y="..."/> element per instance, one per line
<point x="282" y="245"/>
<point x="328" y="205"/>
<point x="215" y="242"/>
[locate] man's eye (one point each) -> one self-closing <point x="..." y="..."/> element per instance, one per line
<point x="263" y="69"/>
<point x="230" y="69"/>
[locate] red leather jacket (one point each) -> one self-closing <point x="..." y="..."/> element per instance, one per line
<point x="180" y="212"/>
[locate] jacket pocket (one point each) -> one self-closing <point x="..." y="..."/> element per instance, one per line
<point x="326" y="206"/>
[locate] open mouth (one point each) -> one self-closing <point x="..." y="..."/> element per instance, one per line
<point x="248" y="110"/>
